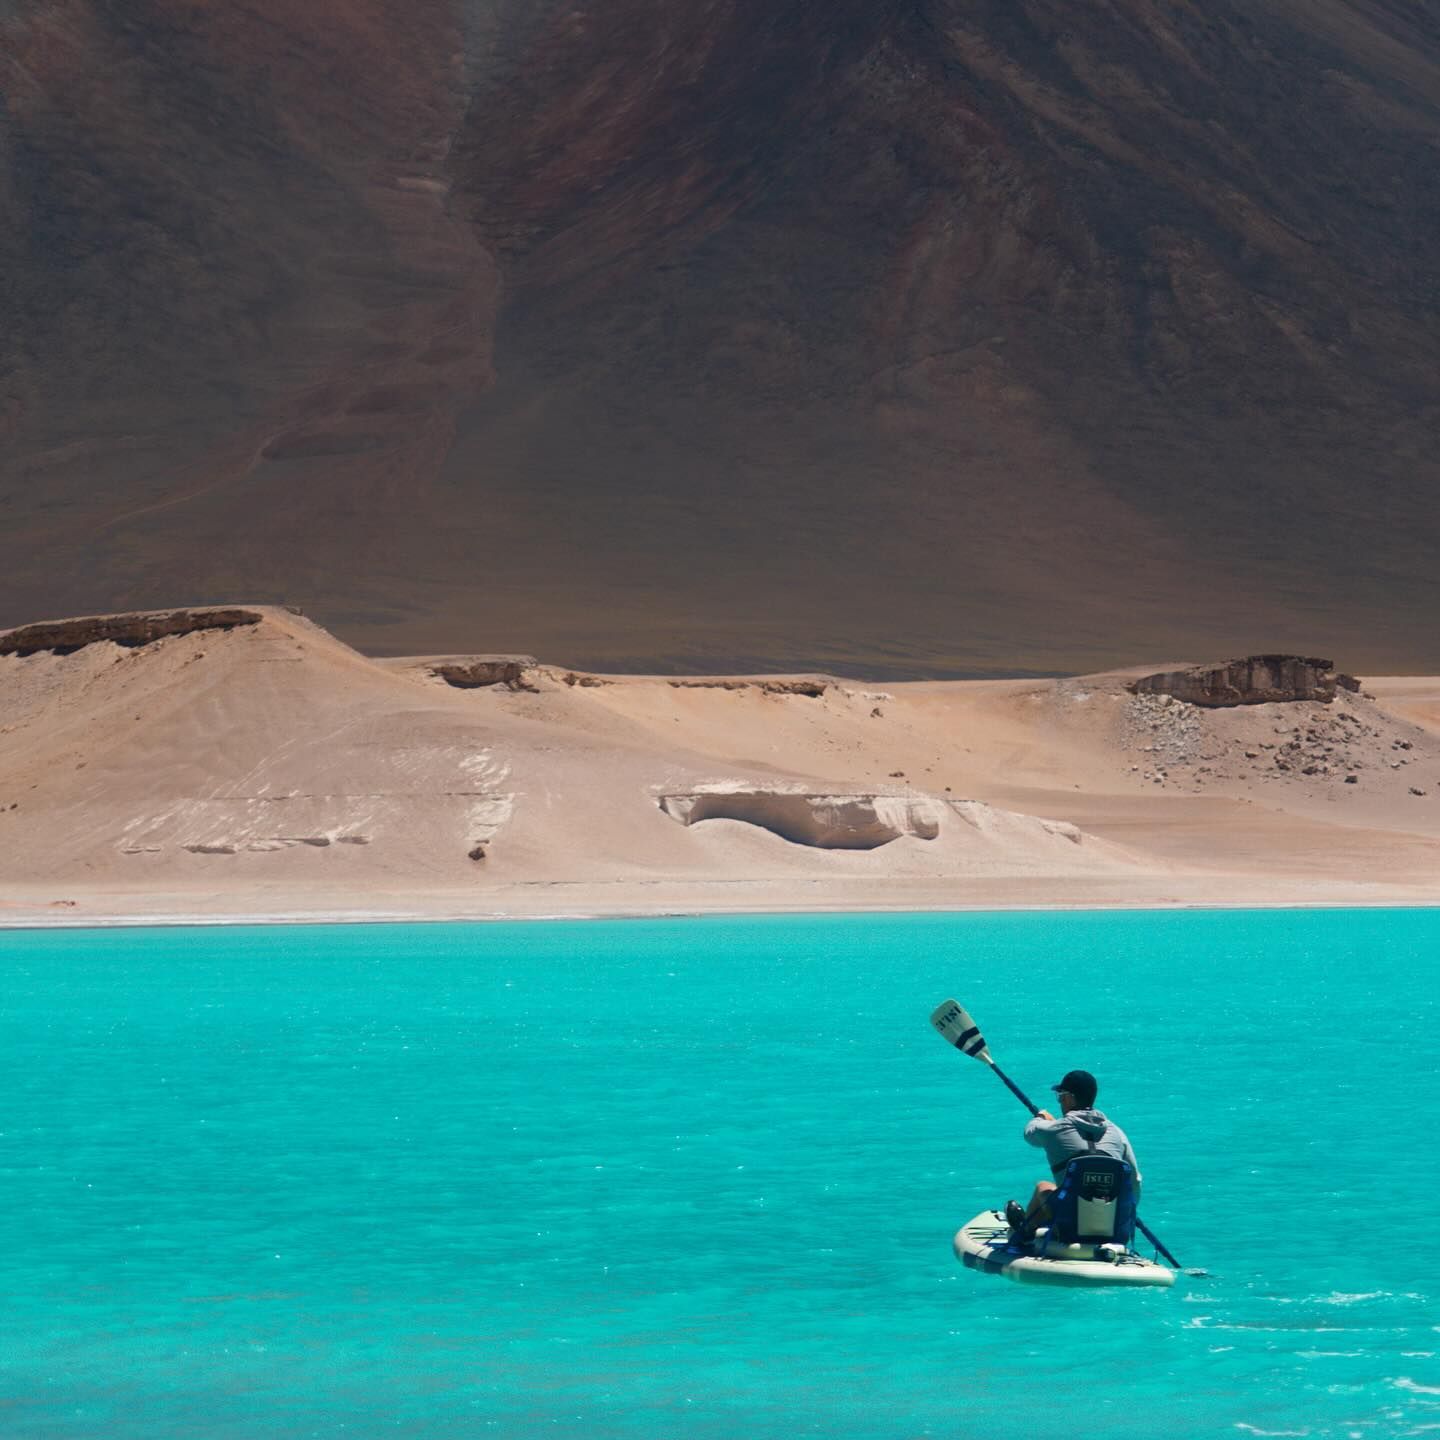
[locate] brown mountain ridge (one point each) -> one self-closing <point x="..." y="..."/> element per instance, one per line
<point x="933" y="337"/>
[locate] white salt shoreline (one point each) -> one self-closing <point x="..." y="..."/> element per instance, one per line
<point x="237" y="919"/>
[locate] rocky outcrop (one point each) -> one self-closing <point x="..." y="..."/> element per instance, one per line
<point x="811" y="689"/>
<point x="476" y="672"/>
<point x="65" y="637"/>
<point x="1255" y="680"/>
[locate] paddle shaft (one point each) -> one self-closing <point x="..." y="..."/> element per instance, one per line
<point x="1154" y="1239"/>
<point x="1024" y="1099"/>
<point x="1015" y="1090"/>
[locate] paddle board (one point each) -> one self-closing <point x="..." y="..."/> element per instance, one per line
<point x="984" y="1244"/>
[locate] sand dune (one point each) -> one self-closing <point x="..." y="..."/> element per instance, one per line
<point x="267" y="768"/>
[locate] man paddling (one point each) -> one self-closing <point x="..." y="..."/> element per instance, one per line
<point x="1080" y="1130"/>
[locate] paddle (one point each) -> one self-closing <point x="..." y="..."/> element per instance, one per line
<point x="953" y="1022"/>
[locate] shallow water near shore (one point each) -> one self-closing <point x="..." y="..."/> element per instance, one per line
<point x="699" y="1177"/>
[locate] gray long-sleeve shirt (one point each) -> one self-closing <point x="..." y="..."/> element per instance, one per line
<point x="1063" y="1139"/>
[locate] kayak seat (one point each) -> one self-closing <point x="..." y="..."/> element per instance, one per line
<point x="1094" y="1203"/>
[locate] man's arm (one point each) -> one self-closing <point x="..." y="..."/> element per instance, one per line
<point x="1041" y="1126"/>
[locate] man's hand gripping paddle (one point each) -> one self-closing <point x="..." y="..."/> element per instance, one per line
<point x="953" y="1022"/>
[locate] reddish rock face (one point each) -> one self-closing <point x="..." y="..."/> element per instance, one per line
<point x="1256" y="680"/>
<point x="133" y="631"/>
<point x="474" y="672"/>
<point x="910" y="334"/>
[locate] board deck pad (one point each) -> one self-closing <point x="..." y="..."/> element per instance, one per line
<point x="984" y="1244"/>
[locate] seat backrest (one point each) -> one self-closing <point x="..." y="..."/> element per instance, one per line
<point x="1095" y="1202"/>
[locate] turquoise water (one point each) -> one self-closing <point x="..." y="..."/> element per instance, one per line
<point x="699" y="1178"/>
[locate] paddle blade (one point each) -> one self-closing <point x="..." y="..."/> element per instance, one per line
<point x="953" y="1022"/>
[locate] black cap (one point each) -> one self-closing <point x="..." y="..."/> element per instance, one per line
<point x="1081" y="1084"/>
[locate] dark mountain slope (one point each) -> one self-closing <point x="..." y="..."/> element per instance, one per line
<point x="926" y="335"/>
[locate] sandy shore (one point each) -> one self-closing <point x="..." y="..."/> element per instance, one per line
<point x="269" y="773"/>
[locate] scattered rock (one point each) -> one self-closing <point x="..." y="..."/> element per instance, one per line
<point x="1172" y="728"/>
<point x="1416" y="790"/>
<point x="477" y="852"/>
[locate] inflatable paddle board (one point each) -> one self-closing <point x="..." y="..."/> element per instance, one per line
<point x="984" y="1244"/>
